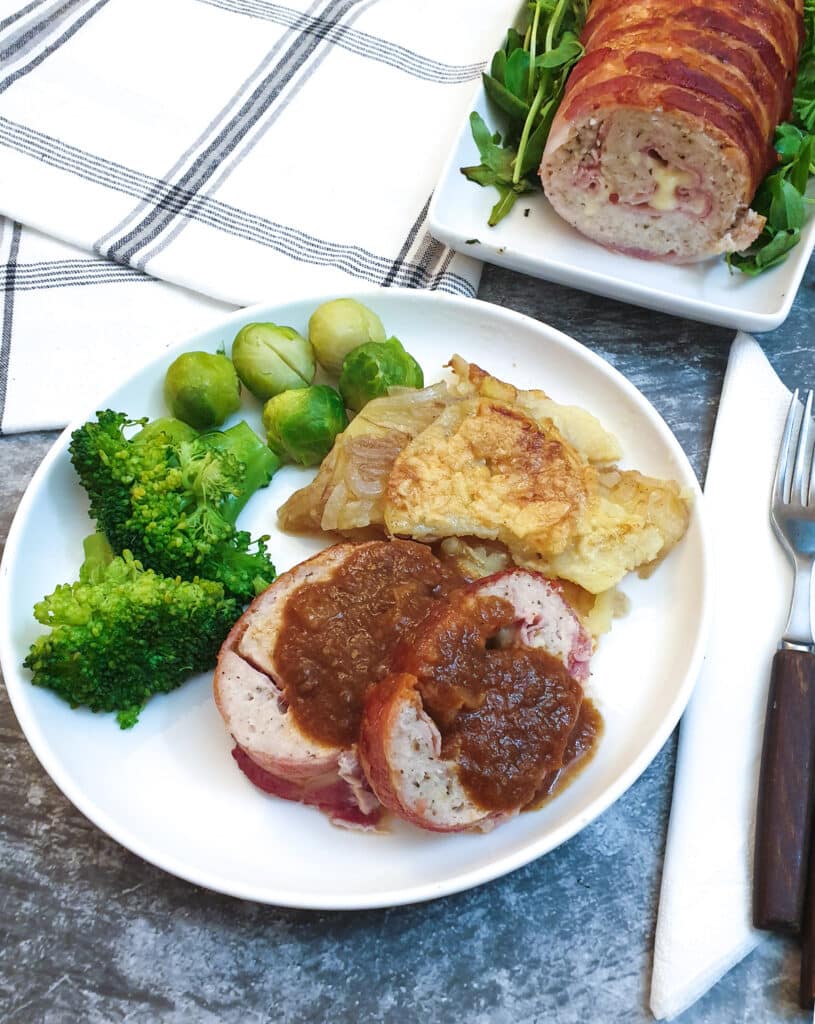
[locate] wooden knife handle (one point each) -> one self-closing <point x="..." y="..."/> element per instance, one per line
<point x="806" y="995"/>
<point x="785" y="790"/>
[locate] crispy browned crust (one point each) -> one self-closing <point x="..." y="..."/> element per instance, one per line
<point x="486" y="469"/>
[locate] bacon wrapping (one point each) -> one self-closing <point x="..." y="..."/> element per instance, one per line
<point x="667" y="123"/>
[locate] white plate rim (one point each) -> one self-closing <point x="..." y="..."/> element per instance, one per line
<point x="417" y="893"/>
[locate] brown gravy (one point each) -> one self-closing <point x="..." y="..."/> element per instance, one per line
<point x="337" y="635"/>
<point x="578" y="754"/>
<point x="513" y="718"/>
<point x="505" y="714"/>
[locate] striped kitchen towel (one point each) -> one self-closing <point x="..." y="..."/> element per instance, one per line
<point x="162" y="161"/>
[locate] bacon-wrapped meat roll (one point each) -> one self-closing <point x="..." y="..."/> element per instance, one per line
<point x="667" y="123"/>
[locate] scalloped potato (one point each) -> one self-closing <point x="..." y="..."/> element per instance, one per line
<point x="481" y="459"/>
<point x="486" y="469"/>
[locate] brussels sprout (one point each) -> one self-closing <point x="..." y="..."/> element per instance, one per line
<point x="301" y="425"/>
<point x="371" y="369"/>
<point x="270" y="359"/>
<point x="202" y="389"/>
<point x="338" y="326"/>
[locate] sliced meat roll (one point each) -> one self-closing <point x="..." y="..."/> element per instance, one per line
<point x="292" y="674"/>
<point x="667" y="123"/>
<point x="480" y="707"/>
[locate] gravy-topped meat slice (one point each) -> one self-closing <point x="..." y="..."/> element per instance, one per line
<point x="293" y="672"/>
<point x="479" y="709"/>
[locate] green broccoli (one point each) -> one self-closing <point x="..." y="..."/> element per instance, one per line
<point x="173" y="500"/>
<point x="123" y="633"/>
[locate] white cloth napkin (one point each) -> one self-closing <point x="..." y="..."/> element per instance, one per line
<point x="704" y="928"/>
<point x="243" y="149"/>
<point x="75" y="325"/>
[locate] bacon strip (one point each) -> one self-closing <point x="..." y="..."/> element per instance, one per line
<point x="335" y="798"/>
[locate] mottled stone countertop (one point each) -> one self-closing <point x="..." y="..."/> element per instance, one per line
<point x="91" y="933"/>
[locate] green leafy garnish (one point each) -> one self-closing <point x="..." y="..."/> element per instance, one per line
<point x="496" y="168"/>
<point x="781" y="199"/>
<point x="526" y="81"/>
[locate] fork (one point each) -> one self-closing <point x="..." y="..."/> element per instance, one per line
<point x="787" y="777"/>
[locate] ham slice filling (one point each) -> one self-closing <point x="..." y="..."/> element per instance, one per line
<point x="671" y="189"/>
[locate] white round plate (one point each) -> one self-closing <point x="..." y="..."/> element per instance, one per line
<point x="169" y="789"/>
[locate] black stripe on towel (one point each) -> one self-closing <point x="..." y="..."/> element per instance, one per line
<point x="361" y="43"/>
<point x="27" y="38"/>
<point x="72" y="274"/>
<point x="8" y="316"/>
<point x="397" y="264"/>
<point x="73" y="28"/>
<point x="21" y="13"/>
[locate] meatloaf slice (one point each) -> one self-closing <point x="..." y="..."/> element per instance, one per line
<point x="292" y="674"/>
<point x="667" y="123"/>
<point x="652" y="185"/>
<point x="480" y="707"/>
<point x="270" y="747"/>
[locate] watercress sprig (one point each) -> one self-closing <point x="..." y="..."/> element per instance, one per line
<point x="526" y="81"/>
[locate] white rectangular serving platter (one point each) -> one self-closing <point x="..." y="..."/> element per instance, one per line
<point x="534" y="240"/>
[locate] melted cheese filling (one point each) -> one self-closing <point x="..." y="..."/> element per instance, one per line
<point x="667" y="180"/>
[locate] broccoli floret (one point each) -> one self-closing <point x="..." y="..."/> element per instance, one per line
<point x="107" y="466"/>
<point x="173" y="501"/>
<point x="122" y="633"/>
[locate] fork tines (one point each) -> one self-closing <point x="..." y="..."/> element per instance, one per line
<point x="793" y="476"/>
